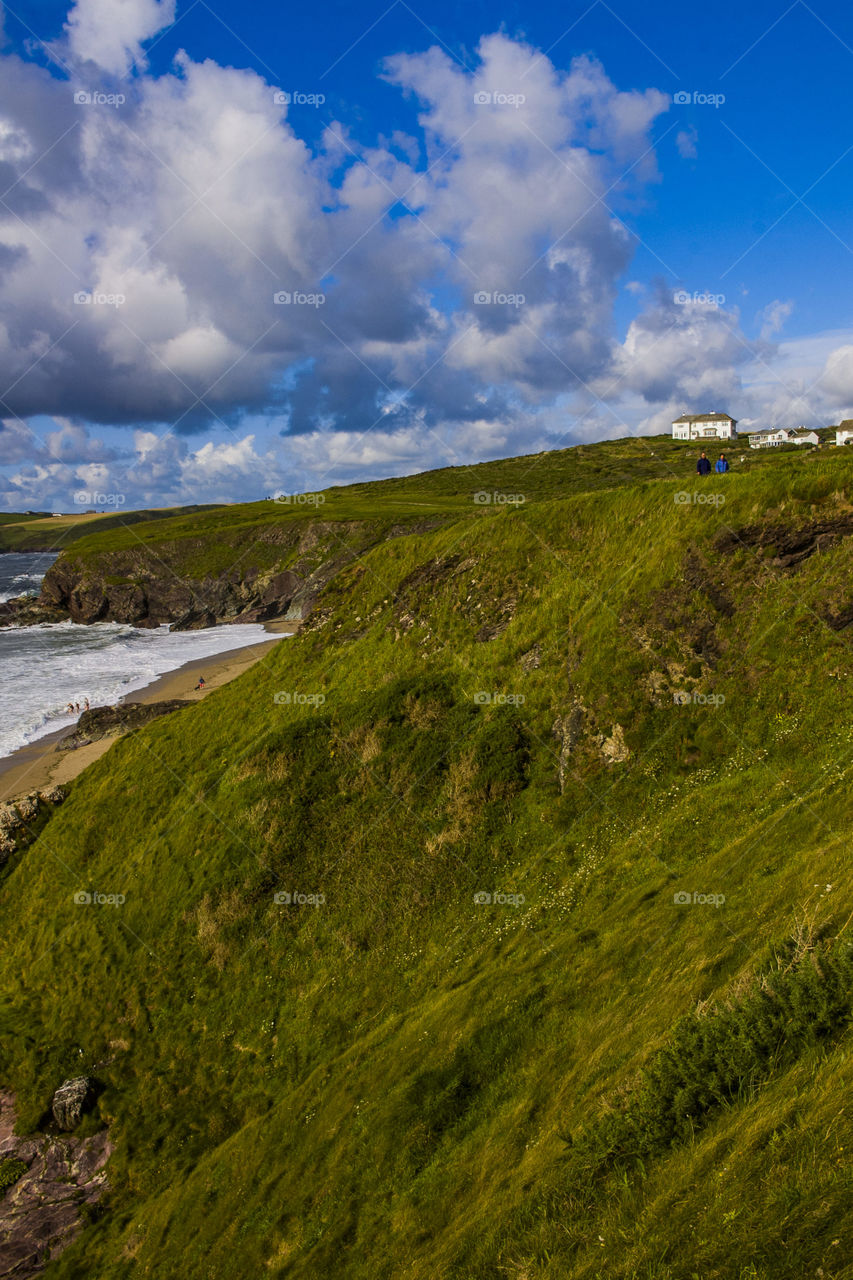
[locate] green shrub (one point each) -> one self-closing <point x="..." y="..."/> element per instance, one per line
<point x="713" y="1059"/>
<point x="10" y="1172"/>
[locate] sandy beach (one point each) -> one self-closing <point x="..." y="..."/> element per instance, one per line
<point x="39" y="765"/>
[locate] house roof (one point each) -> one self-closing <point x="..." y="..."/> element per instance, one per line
<point x="704" y="417"/>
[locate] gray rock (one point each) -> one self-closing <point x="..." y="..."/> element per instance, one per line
<point x="70" y="1101"/>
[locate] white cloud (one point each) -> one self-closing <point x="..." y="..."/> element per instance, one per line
<point x="111" y="33"/>
<point x="685" y="141"/>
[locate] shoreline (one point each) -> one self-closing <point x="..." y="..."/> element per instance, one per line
<point x="38" y="765"/>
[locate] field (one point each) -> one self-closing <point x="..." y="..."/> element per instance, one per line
<point x="496" y="925"/>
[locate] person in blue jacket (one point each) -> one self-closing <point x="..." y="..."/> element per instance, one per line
<point x="703" y="466"/>
<point x="722" y="465"/>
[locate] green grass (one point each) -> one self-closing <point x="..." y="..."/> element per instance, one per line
<point x="399" y="1080"/>
<point x="45" y="532"/>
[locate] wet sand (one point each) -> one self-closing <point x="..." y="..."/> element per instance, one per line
<point x="39" y="765"/>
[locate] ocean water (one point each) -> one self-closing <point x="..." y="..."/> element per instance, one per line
<point x="20" y="575"/>
<point x="44" y="668"/>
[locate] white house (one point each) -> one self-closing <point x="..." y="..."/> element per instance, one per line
<point x="843" y="435"/>
<point x="704" y="426"/>
<point x="801" y="436"/>
<point x="768" y="438"/>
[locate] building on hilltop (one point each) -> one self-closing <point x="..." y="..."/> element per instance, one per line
<point x="770" y="437"/>
<point x="844" y="432"/>
<point x="704" y="426"/>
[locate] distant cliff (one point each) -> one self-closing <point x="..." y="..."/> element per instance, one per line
<point x="236" y="574"/>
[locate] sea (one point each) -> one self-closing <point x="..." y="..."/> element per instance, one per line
<point x="43" y="668"/>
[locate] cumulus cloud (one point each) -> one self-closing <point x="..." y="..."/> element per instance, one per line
<point x="183" y="259"/>
<point x="111" y="33"/>
<point x="142" y="255"/>
<point x="685" y="349"/>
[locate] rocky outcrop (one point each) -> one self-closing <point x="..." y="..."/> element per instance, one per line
<point x="111" y="722"/>
<point x="41" y="1212"/>
<point x="26" y="611"/>
<point x="71" y="1100"/>
<point x="784" y="547"/>
<point x="278" y="571"/>
<point x="18" y="819"/>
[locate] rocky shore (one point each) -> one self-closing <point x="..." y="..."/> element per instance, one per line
<point x="46" y="1181"/>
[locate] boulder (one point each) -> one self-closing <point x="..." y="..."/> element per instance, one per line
<point x="71" y="1100"/>
<point x="109" y="722"/>
<point x="54" y="795"/>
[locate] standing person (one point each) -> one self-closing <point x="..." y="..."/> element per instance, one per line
<point x="722" y="465"/>
<point x="703" y="466"/>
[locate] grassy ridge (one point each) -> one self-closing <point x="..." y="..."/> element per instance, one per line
<point x="590" y="702"/>
<point x="45" y="532"/>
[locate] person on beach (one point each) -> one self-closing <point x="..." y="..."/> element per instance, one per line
<point x="69" y="710"/>
<point x="200" y="684"/>
<point x="77" y="708"/>
<point x="703" y="466"/>
<point x="86" y="704"/>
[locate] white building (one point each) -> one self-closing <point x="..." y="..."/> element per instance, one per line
<point x="704" y="426"/>
<point x="770" y="438"/>
<point x="801" y="436"/>
<point x="843" y="435"/>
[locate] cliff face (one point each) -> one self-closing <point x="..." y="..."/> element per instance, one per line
<point x="250" y="576"/>
<point x="89" y="595"/>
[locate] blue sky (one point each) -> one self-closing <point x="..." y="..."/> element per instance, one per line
<point x="703" y="258"/>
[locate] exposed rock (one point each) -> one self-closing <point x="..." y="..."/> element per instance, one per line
<point x="568" y="730"/>
<point x="54" y="795"/>
<point x="18" y="816"/>
<point x="109" y="722"/>
<point x="786" y="548"/>
<point x="71" y="1101"/>
<point x="40" y="1213"/>
<point x="532" y="660"/>
<point x="26" y="611"/>
<point x="28" y="806"/>
<point x="613" y="749"/>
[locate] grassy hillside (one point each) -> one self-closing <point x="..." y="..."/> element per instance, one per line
<point x="587" y="709"/>
<point x="22" y="531"/>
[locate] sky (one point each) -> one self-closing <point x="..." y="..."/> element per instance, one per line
<point x="268" y="248"/>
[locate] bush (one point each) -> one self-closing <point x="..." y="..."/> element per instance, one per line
<point x="712" y="1060"/>
<point x="10" y="1172"/>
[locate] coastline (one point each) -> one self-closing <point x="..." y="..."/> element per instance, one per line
<point x="38" y="765"/>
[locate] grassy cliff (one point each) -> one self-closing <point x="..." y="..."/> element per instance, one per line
<point x="495" y="925"/>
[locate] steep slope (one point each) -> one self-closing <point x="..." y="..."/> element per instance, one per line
<point x="536" y="801"/>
